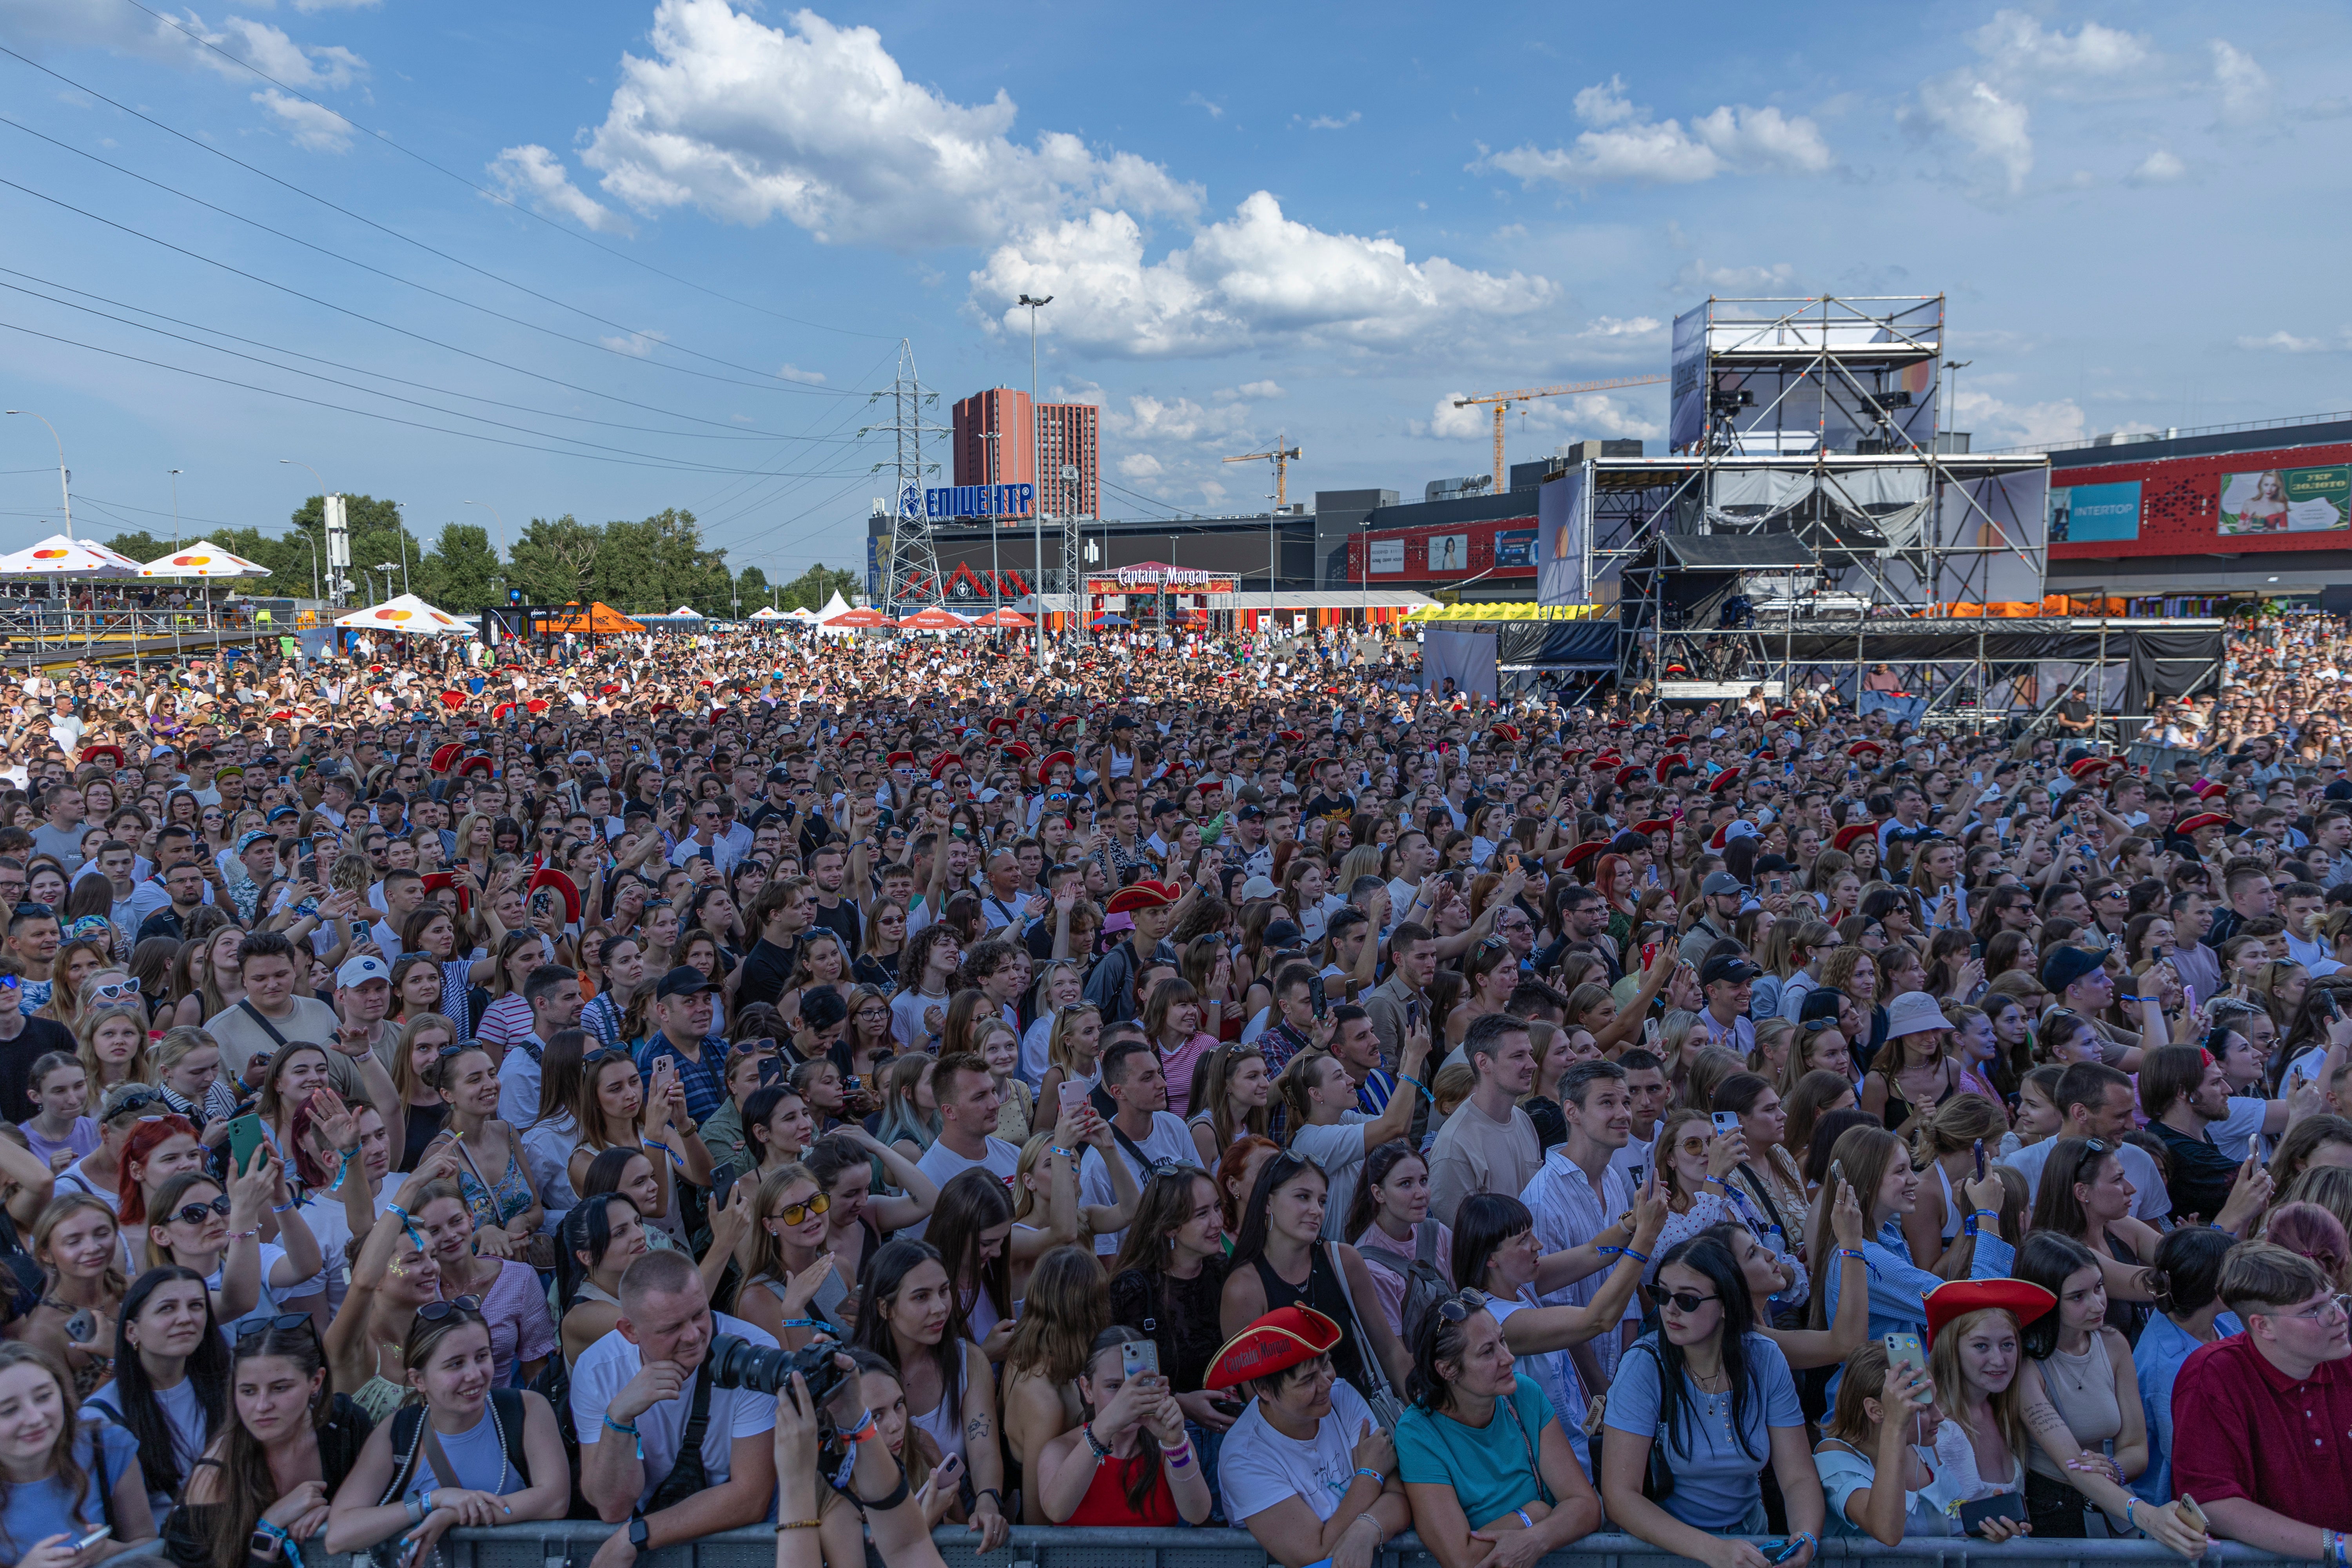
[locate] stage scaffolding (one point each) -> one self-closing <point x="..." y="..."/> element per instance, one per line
<point x="1809" y="480"/>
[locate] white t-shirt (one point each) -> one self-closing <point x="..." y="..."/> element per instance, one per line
<point x="1339" y="1150"/>
<point x="1258" y="1467"/>
<point x="606" y="1368"/>
<point x="907" y="1010"/>
<point x="519" y="1087"/>
<point x="264" y="1309"/>
<point x="2245" y="1121"/>
<point x="183" y="1417"/>
<point x="1170" y="1139"/>
<point x="2151" y="1202"/>
<point x="943" y="1164"/>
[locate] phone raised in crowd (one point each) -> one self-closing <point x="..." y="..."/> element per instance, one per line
<point x="1979" y="1154"/>
<point x="244" y="1136"/>
<point x="1726" y="1122"/>
<point x="1138" y="1356"/>
<point x="1073" y="1093"/>
<point x="1904" y="1349"/>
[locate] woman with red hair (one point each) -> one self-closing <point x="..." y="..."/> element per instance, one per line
<point x="158" y="1148"/>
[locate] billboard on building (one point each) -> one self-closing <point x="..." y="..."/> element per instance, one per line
<point x="2084" y="512"/>
<point x="2286" y="501"/>
<point x="1448" y="552"/>
<point x="1687" y="380"/>
<point x="1387" y="556"/>
<point x="1516" y="547"/>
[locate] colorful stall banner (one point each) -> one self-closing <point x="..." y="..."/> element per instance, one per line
<point x="2287" y="500"/>
<point x="2084" y="512"/>
<point x="1516" y="547"/>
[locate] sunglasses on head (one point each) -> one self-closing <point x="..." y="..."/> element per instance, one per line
<point x="34" y="909"/>
<point x="282" y="1323"/>
<point x="195" y="1214"/>
<point x="1458" y="1307"/>
<point x="435" y="1312"/>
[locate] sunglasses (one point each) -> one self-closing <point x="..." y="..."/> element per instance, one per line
<point x="115" y="990"/>
<point x="195" y="1214"/>
<point x="1456" y="1308"/>
<point x="800" y="1213"/>
<point x="1686" y="1301"/>
<point x="282" y="1323"/>
<point x="37" y="910"/>
<point x="435" y="1312"/>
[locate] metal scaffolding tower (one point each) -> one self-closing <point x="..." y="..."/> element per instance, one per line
<point x="913" y="562"/>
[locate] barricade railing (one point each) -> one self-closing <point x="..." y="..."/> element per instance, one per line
<point x="572" y="1544"/>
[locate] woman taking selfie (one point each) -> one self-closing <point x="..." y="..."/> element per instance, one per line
<point x="69" y="1478"/>
<point x="1719" y="1398"/>
<point x="1130" y="1463"/>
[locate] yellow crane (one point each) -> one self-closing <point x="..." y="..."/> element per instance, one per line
<point x="1283" y="457"/>
<point x="1503" y="401"/>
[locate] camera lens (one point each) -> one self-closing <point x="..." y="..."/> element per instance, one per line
<point x="737" y="1363"/>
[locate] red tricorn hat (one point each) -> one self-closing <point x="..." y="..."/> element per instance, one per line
<point x="444" y="756"/>
<point x="1045" y="764"/>
<point x="1063" y="722"/>
<point x="477" y="764"/>
<point x="1845" y="837"/>
<point x="499" y="713"/>
<point x="1142" y="896"/>
<point x="2021" y="1298"/>
<point x="1666" y="763"/>
<point x="1655" y="824"/>
<point x="1724" y="781"/>
<point x="1281" y="1339"/>
<point x="1212" y="787"/>
<point x="548" y="877"/>
<point x="536" y="705"/>
<point x="2087" y="766"/>
<point x="1291" y="737"/>
<point x="453" y="700"/>
<point x="1581" y="853"/>
<point x="997" y="726"/>
<point x="1781" y="714"/>
<point x="1627" y="773"/>
<point x="2191" y="826"/>
<point x="1505" y="732"/>
<point x="943" y="762"/>
<point x="896" y="758"/>
<point x="608" y="688"/>
<point x="2209" y="790"/>
<point x="1018" y="750"/>
<point x="1859" y="747"/>
<point x="442" y="881"/>
<point x="108" y="750"/>
<point x="1601" y="764"/>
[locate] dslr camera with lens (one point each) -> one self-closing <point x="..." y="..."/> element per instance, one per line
<point x="737" y="1363"/>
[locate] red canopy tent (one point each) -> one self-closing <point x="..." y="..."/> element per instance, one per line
<point x="862" y="619"/>
<point x="934" y="619"/>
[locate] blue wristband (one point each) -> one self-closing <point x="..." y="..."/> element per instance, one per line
<point x="1372" y="1476"/>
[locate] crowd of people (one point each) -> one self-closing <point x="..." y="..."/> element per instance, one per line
<point x="872" y="1087"/>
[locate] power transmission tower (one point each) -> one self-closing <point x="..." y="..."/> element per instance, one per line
<point x="914" y="560"/>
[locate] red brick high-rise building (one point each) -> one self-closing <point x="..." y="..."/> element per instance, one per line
<point x="1072" y="434"/>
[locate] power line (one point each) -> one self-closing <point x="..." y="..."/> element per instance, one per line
<point x="678" y="467"/>
<point x="731" y="433"/>
<point x="340" y="309"/>
<point x="766" y="383"/>
<point x="499" y="196"/>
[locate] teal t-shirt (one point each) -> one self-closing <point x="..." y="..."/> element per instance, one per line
<point x="1491" y="1469"/>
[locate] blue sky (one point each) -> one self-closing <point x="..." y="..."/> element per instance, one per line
<point x="1322" y="221"/>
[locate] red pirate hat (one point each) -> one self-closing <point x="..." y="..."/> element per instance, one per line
<point x="1581" y="853"/>
<point x="1844" y="837"/>
<point x="997" y="726"/>
<point x="1017" y="751"/>
<point x="2021" y="1298"/>
<point x="1063" y="722"/>
<point x="944" y="761"/>
<point x="441" y="881"/>
<point x="2209" y="790"/>
<point x="106" y="750"/>
<point x="2084" y="767"/>
<point x="1282" y="1338"/>
<point x="2190" y="825"/>
<point x="536" y="705"/>
<point x="444" y="757"/>
<point x="1505" y="732"/>
<point x="1724" y="781"/>
<point x="1654" y="825"/>
<point x="453" y="700"/>
<point x="1859" y="747"/>
<point x="477" y="764"/>
<point x="548" y="877"/>
<point x="1068" y="759"/>
<point x="1144" y="895"/>
<point x="1627" y="773"/>
<point x="499" y="713"/>
<point x="897" y="758"/>
<point x="1667" y="764"/>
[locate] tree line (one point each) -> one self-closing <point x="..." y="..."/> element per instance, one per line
<point x="646" y="567"/>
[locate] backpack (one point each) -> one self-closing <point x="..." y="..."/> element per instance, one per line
<point x="1425" y="1287"/>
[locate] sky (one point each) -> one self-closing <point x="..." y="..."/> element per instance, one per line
<point x="507" y="262"/>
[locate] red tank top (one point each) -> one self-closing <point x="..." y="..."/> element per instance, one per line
<point x="1106" y="1500"/>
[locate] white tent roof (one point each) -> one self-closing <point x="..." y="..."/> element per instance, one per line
<point x="686" y="613"/>
<point x="408" y="614"/>
<point x="769" y="613"/>
<point x="836" y="605"/>
<point x="58" y="556"/>
<point x="203" y="559"/>
<point x="803" y="614"/>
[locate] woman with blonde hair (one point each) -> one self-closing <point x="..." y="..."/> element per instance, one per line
<point x="1066" y="1306"/>
<point x="77" y="1243"/>
<point x="1944" y="1151"/>
<point x="417" y="1117"/>
<point x="1233" y="1094"/>
<point x="78" y="959"/>
<point x="791" y="1288"/>
<point x="112" y="1040"/>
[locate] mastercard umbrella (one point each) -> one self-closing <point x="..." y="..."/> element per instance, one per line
<point x="58" y="556"/>
<point x="406" y="615"/>
<point x="1004" y="618"/>
<point x="934" y="619"/>
<point x="860" y="620"/>
<point x="203" y="559"/>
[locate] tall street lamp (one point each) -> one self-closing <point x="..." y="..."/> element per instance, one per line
<point x="65" y="480"/>
<point x="175" y="509"/>
<point x="331" y="568"/>
<point x="1036" y="303"/>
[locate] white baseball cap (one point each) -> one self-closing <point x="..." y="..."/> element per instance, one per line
<point x="358" y="971"/>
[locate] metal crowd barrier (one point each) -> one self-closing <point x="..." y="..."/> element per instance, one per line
<point x="572" y="1544"/>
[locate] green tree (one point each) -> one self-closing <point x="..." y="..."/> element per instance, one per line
<point x="462" y="574"/>
<point x="752" y="584"/>
<point x="813" y="587"/>
<point x="141" y="547"/>
<point x="660" y="564"/>
<point x="377" y="535"/>
<point x="554" y="563"/>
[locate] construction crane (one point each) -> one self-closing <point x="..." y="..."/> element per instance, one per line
<point x="1503" y="401"/>
<point x="1283" y="457"/>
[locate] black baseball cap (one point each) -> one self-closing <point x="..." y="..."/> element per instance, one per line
<point x="684" y="981"/>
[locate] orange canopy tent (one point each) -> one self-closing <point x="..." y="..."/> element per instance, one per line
<point x="598" y="620"/>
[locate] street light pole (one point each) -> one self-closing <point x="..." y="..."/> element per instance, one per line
<point x="1037" y="471"/>
<point x="65" y="480"/>
<point x="322" y="519"/>
<point x="175" y="509"/>
<point x="400" y="529"/>
<point x="314" y="562"/>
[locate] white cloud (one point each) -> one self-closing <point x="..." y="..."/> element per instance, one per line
<point x="1260" y="389"/>
<point x="1993" y="422"/>
<point x="2158" y="168"/>
<point x="641" y="345"/>
<point x="1139" y="466"/>
<point x="1217" y="111"/>
<point x="805" y="377"/>
<point x="1697" y="275"/>
<point x="2285" y="344"/>
<point x="533" y="175"/>
<point x="319" y="129"/>
<point x="1327" y="122"/>
<point x="1594" y="413"/>
<point x="1625" y="144"/>
<point x="1255" y="277"/>
<point x="309" y="68"/>
<point x="2245" y="87"/>
<point x="1448" y="422"/>
<point x="1149" y="418"/>
<point x="2017" y="47"/>
<point x="817" y="125"/>
<point x="1622" y="327"/>
<point x="1995" y="129"/>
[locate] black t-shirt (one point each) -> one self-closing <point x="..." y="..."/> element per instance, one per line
<point x="842" y="921"/>
<point x="2074" y="710"/>
<point x="38" y="1038"/>
<point x="767" y="971"/>
<point x="2200" y="1177"/>
<point x="1330" y="805"/>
